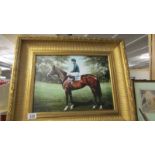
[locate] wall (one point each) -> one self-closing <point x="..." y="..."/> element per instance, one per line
<point x="140" y="73"/>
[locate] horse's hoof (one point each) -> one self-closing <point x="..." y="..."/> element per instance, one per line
<point x="66" y="108"/>
<point x="101" y="107"/>
<point x="71" y="107"/>
<point x="94" y="107"/>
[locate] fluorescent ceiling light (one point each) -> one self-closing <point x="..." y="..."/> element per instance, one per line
<point x="9" y="61"/>
<point x="7" y="56"/>
<point x="131" y="65"/>
<point x="4" y="68"/>
<point x="2" y="77"/>
<point x="144" y="56"/>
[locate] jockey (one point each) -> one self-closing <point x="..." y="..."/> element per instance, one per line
<point x="75" y="73"/>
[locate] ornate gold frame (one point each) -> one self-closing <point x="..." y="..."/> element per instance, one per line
<point x="152" y="55"/>
<point x="21" y="89"/>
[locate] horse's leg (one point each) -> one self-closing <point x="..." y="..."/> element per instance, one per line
<point x="100" y="102"/>
<point x="66" y="107"/>
<point x="99" y="94"/>
<point x="95" y="98"/>
<point x="71" y="100"/>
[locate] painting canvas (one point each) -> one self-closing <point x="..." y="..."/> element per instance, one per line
<point x="72" y="83"/>
<point x="145" y="100"/>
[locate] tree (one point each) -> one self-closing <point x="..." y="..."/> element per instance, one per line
<point x="60" y="61"/>
<point x="44" y="65"/>
<point x="98" y="66"/>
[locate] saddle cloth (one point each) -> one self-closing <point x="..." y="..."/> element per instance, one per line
<point x="76" y="75"/>
<point x="77" y="78"/>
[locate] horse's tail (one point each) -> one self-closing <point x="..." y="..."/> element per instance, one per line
<point x="99" y="92"/>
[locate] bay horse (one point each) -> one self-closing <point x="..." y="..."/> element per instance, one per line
<point x="86" y="80"/>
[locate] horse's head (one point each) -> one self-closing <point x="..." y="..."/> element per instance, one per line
<point x="52" y="72"/>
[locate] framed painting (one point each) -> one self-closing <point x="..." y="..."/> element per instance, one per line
<point x="70" y="78"/>
<point x="145" y="99"/>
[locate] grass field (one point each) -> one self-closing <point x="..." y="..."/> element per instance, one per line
<point x="51" y="97"/>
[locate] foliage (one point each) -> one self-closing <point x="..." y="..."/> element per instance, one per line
<point x="98" y="66"/>
<point x="44" y="65"/>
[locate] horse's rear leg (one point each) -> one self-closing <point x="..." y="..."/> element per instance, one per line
<point x="95" y="99"/>
<point x="71" y="100"/>
<point x="66" y="107"/>
<point x="100" y="103"/>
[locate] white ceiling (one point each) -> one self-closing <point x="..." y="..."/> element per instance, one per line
<point x="136" y="48"/>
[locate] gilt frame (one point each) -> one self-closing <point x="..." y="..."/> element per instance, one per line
<point x="137" y="86"/>
<point x="28" y="46"/>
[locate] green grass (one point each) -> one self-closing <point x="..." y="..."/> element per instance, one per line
<point x="51" y="97"/>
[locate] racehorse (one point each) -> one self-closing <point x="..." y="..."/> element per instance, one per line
<point x="86" y="80"/>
